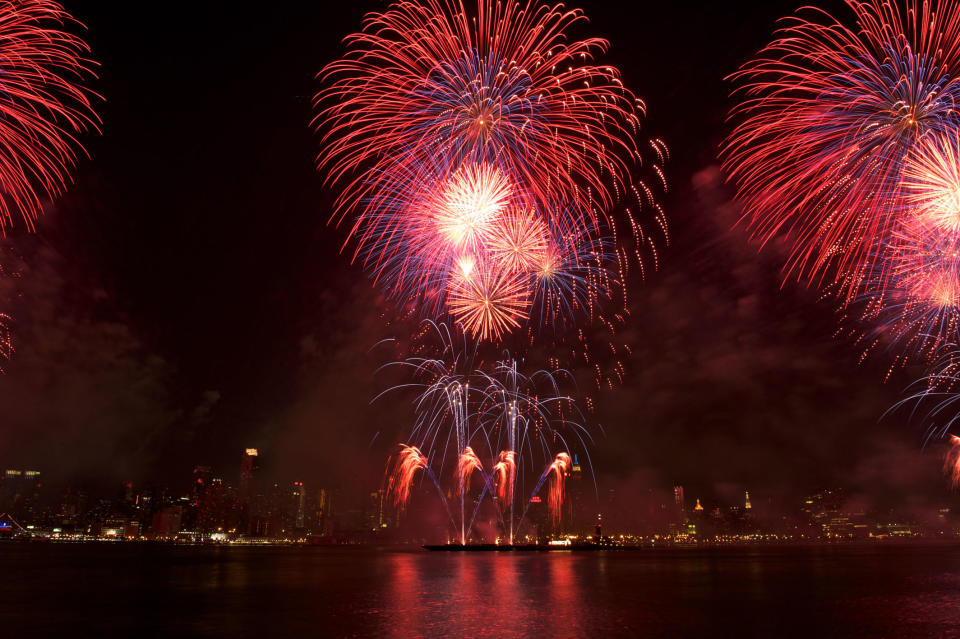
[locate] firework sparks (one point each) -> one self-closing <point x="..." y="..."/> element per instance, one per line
<point x="951" y="462"/>
<point x="505" y="473"/>
<point x="428" y="79"/>
<point x="469" y="141"/>
<point x="931" y="182"/>
<point x="558" y="472"/>
<point x="519" y="243"/>
<point x="409" y="461"/>
<point x="488" y="302"/>
<point x="914" y="297"/>
<point x="468" y="463"/>
<point x="829" y="118"/>
<point x="6" y="339"/>
<point x="465" y="415"/>
<point x="470" y="205"/>
<point x="42" y="103"/>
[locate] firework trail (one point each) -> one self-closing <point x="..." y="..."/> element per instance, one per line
<point x="504" y="85"/>
<point x="913" y="299"/>
<point x="558" y="472"/>
<point x="829" y="116"/>
<point x="505" y="473"/>
<point x="469" y="462"/>
<point x="951" y="462"/>
<point x="466" y="414"/>
<point x="409" y="461"/>
<point x="931" y="182"/>
<point x="936" y="396"/>
<point x="481" y="154"/>
<point x="43" y="105"/>
<point x="6" y="340"/>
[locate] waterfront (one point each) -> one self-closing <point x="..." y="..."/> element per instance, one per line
<point x="153" y="590"/>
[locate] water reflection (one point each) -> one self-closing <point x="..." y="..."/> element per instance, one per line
<point x="505" y="594"/>
<point x="314" y="592"/>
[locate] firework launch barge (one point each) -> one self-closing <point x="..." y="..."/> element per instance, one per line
<point x="520" y="547"/>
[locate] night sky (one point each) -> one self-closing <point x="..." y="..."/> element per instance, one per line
<point x="187" y="299"/>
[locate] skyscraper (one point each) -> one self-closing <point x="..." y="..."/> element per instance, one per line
<point x="246" y="488"/>
<point x="20" y="495"/>
<point x="201" y="481"/>
<point x="299" y="501"/>
<point x="678" y="498"/>
<point x="248" y="466"/>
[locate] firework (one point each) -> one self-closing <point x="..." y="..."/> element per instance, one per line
<point x="409" y="461"/>
<point x="505" y="85"/>
<point x="43" y="105"/>
<point x="488" y="302"/>
<point x="557" y="472"/>
<point x="951" y="462"/>
<point x="505" y="472"/>
<point x="830" y="115"/>
<point x="931" y="182"/>
<point x="936" y="395"/>
<point x="481" y="155"/>
<point x="465" y="414"/>
<point x="469" y="462"/>
<point x="914" y="296"/>
<point x="6" y="339"/>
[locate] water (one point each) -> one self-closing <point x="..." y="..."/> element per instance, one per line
<point x="154" y="591"/>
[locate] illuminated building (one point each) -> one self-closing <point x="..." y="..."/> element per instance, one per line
<point x="201" y="480"/>
<point x="299" y="501"/>
<point x="166" y="523"/>
<point x="20" y="494"/>
<point x="679" y="499"/>
<point x="575" y="511"/>
<point x="248" y="466"/>
<point x="747" y="505"/>
<point x="698" y="508"/>
<point x="245" y="491"/>
<point x="212" y="507"/>
<point x="377" y="512"/>
<point x="322" y="521"/>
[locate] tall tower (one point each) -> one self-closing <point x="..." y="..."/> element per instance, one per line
<point x="299" y="501"/>
<point x="678" y="497"/>
<point x="248" y="466"/>
<point x="747" y="505"/>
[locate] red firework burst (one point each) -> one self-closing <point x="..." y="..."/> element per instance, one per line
<point x="429" y="81"/>
<point x="43" y="105"/>
<point x="828" y="118"/>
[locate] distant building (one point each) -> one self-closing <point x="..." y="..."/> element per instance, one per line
<point x="166" y="523"/>
<point x="248" y="509"/>
<point x="299" y="502"/>
<point x="248" y="467"/>
<point x="679" y="499"/>
<point x="202" y="476"/>
<point x="322" y="511"/>
<point x="20" y="495"/>
<point x="578" y="515"/>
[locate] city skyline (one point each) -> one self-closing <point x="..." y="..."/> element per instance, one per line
<point x="221" y="505"/>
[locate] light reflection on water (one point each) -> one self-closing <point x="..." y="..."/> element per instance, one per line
<point x="316" y="592"/>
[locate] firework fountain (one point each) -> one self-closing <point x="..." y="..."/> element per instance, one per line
<point x="951" y="462"/>
<point x="467" y="415"/>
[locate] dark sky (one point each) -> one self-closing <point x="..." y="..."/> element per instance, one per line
<point x="186" y="299"/>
